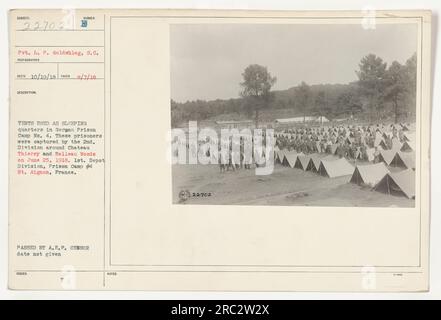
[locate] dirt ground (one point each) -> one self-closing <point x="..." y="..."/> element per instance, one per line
<point x="284" y="187"/>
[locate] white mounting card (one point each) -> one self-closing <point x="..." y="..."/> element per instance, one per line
<point x="219" y="150"/>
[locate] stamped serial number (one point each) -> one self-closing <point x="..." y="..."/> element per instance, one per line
<point x="201" y="194"/>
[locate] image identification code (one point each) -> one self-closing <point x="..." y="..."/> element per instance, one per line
<point x="221" y="309"/>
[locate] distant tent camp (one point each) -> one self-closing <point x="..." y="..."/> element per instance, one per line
<point x="291" y="158"/>
<point x="369" y="174"/>
<point x="302" y="162"/>
<point x="321" y="119"/>
<point x="231" y="124"/>
<point x="387" y="156"/>
<point x="404" y="160"/>
<point x="335" y="168"/>
<point x="302" y="119"/>
<point x="399" y="183"/>
<point x="295" y="120"/>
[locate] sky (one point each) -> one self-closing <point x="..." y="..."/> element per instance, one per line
<point x="207" y="60"/>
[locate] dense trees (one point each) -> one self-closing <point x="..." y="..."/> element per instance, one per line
<point x="381" y="92"/>
<point x="410" y="79"/>
<point x="396" y="90"/>
<point x="303" y="97"/>
<point x="371" y="81"/>
<point x="321" y="107"/>
<point x="381" y="87"/>
<point x="349" y="103"/>
<point x="256" y="88"/>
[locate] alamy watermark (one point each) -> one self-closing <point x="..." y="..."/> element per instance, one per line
<point x="227" y="147"/>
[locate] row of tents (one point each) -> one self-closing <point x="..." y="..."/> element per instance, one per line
<point x="398" y="159"/>
<point x="367" y="139"/>
<point x="376" y="175"/>
<point x="405" y="160"/>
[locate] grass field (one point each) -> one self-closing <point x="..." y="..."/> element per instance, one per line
<point x="284" y="187"/>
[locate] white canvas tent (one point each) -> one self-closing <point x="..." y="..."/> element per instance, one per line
<point x="302" y="162"/>
<point x="383" y="145"/>
<point x="302" y="119"/>
<point x="280" y="155"/>
<point x="322" y="119"/>
<point x="314" y="161"/>
<point x="295" y="120"/>
<point x="396" y="144"/>
<point x="408" y="146"/>
<point x="291" y="158"/>
<point x="233" y="124"/>
<point x="316" y="158"/>
<point x="378" y="140"/>
<point x="387" y="156"/>
<point x="370" y="154"/>
<point x="369" y="174"/>
<point x="410" y="136"/>
<point x="399" y="183"/>
<point x="335" y="168"/>
<point x="404" y="160"/>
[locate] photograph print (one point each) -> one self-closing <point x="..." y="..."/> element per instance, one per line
<point x="294" y="114"/>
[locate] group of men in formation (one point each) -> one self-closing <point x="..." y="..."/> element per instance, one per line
<point x="353" y="142"/>
<point x="356" y="142"/>
<point x="350" y="142"/>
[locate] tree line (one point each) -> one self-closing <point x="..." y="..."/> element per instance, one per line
<point x="381" y="92"/>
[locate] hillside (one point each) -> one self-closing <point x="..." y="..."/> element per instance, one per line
<point x="283" y="105"/>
